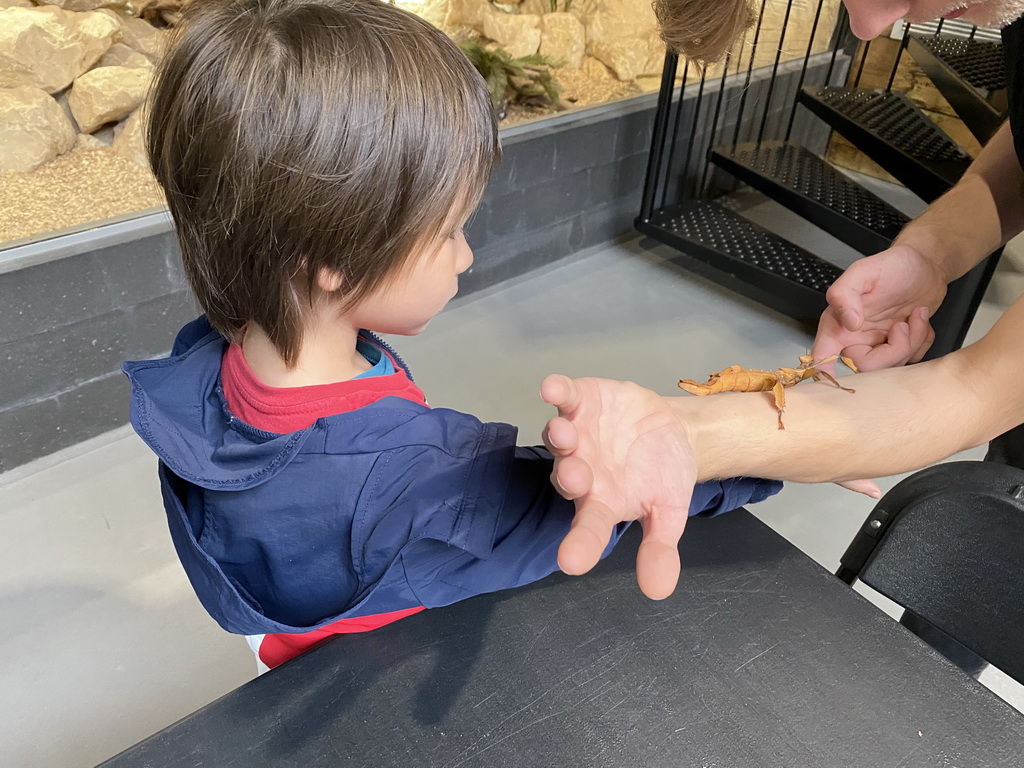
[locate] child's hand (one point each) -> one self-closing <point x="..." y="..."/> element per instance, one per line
<point x="622" y="454"/>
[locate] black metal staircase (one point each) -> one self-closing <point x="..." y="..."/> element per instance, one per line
<point x="970" y="75"/>
<point x="680" y="209"/>
<point x="807" y="185"/>
<point x="892" y="131"/>
<point x="745" y="257"/>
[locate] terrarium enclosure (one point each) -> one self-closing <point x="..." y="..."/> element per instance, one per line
<point x="74" y="75"/>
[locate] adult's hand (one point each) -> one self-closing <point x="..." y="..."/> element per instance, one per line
<point x="878" y="310"/>
<point x="622" y="454"/>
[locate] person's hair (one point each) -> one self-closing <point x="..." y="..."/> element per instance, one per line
<point x="703" y="30"/>
<point x="293" y="136"/>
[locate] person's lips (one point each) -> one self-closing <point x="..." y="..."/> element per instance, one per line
<point x="955" y="13"/>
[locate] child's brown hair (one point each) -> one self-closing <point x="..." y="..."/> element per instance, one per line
<point x="292" y="136"/>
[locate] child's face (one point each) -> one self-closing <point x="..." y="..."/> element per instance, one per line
<point x="405" y="304"/>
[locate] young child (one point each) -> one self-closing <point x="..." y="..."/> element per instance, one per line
<point x="320" y="158"/>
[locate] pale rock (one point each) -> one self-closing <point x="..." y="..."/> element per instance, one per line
<point x="130" y="138"/>
<point x="86" y="141"/>
<point x="49" y="47"/>
<point x="544" y="6"/>
<point x="656" y="51"/>
<point x="33" y="129"/>
<point x="649" y="83"/>
<point x="596" y="69"/>
<point x="125" y="6"/>
<point x="581" y="9"/>
<point x="62" y="102"/>
<point x="106" y="134"/>
<point x="120" y="55"/>
<point x="630" y="59"/>
<point x="563" y="38"/>
<point x="140" y="35"/>
<point x="619" y="20"/>
<point x="518" y="34"/>
<point x="434" y="11"/>
<point x="107" y="94"/>
<point x="17" y="4"/>
<point x="467" y="13"/>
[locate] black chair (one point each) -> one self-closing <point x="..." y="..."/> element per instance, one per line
<point x="947" y="544"/>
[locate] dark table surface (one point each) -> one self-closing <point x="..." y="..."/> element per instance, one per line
<point x="760" y="658"/>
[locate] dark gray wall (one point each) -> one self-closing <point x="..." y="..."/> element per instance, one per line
<point x="65" y="328"/>
<point x="71" y="309"/>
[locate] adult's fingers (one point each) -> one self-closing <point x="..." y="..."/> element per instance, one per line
<point x="896" y="351"/>
<point x="560" y="436"/>
<point x="588" y="537"/>
<point x="657" y="561"/>
<point x="865" y="486"/>
<point x="829" y="339"/>
<point x="572" y="477"/>
<point x="922" y="335"/>
<point x="845" y="296"/>
<point x="560" y="391"/>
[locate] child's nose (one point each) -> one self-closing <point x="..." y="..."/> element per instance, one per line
<point x="465" y="260"/>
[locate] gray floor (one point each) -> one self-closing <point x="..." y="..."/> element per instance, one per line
<point x="105" y="642"/>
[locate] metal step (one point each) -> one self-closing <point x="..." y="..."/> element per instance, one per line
<point x="892" y="131"/>
<point x="803" y="182"/>
<point x="971" y="76"/>
<point x="739" y="255"/>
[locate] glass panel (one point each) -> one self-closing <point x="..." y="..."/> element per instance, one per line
<point x="74" y="73"/>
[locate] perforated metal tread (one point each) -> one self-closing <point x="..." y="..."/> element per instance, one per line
<point x="979" y="63"/>
<point x="893" y="132"/>
<point x="970" y="74"/>
<point x="803" y="182"/>
<point x="745" y="257"/>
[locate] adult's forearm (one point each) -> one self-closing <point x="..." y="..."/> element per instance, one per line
<point x="898" y="419"/>
<point x="978" y="215"/>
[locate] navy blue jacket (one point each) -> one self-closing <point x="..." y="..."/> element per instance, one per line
<point x="389" y="507"/>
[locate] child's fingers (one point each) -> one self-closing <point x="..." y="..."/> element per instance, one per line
<point x="588" y="537"/>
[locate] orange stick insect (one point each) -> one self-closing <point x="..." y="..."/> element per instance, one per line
<point x="737" y="379"/>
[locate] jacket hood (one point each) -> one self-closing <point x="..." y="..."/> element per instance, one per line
<point x="179" y="409"/>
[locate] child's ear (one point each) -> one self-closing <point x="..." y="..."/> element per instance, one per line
<point x="328" y="280"/>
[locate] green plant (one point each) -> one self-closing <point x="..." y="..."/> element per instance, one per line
<point x="566" y="5"/>
<point x="523" y="80"/>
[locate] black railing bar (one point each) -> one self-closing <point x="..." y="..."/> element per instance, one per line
<point x="899" y="55"/>
<point x="675" y="135"/>
<point x="714" y="122"/>
<point x="840" y="37"/>
<point x="938" y="27"/>
<point x="750" y="69"/>
<point x="863" y="60"/>
<point x="974" y="31"/>
<point x="803" y="69"/>
<point x="668" y="80"/>
<point x="775" y="70"/>
<point x="693" y="134"/>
